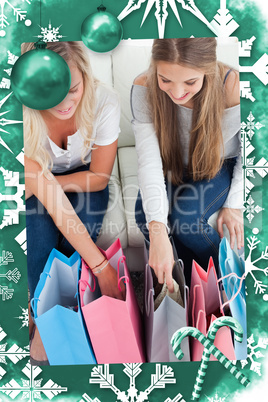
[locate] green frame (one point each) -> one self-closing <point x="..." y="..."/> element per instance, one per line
<point x="19" y="22"/>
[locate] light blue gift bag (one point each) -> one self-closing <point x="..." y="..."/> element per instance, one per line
<point x="57" y="314"/>
<point x="232" y="270"/>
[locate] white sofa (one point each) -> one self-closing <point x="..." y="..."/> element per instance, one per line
<point x="118" y="69"/>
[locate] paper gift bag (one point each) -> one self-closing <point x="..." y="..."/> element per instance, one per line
<point x="114" y="326"/>
<point x="160" y="324"/>
<point x="204" y="308"/>
<point x="232" y="270"/>
<point x="58" y="321"/>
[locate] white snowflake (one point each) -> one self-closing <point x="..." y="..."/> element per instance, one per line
<point x="248" y="130"/>
<point x="6" y="292"/>
<point x="223" y="23"/>
<point x="161" y="13"/>
<point x="50" y="34"/>
<point x="8" y="71"/>
<point x="245" y="47"/>
<point x="6" y="258"/>
<point x="250" y="126"/>
<point x="14" y="353"/>
<point x="12" y="58"/>
<point x="259" y="69"/>
<point x="20" y="157"/>
<point x="163" y="375"/>
<point x="251" y="209"/>
<point x="216" y="398"/>
<point x="2" y="373"/>
<point x="254" y="352"/>
<point x="18" y="13"/>
<point x="87" y="398"/>
<point x="245" y="91"/>
<point x="5" y="83"/>
<point x="24" y="317"/>
<point x="21" y="239"/>
<point x="4" y="122"/>
<point x="2" y="142"/>
<point x="251" y="268"/>
<point x="11" y="216"/>
<point x="32" y="388"/>
<point x="13" y="275"/>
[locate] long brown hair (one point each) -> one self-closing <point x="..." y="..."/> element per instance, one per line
<point x="206" y="143"/>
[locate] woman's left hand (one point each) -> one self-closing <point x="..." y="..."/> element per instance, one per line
<point x="233" y="219"/>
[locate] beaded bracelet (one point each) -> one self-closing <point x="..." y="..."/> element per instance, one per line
<point x="98" y="271"/>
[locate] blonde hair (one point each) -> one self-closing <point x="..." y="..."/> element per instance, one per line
<point x="206" y="143"/>
<point x="35" y="129"/>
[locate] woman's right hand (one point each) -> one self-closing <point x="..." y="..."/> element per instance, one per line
<point x="161" y="257"/>
<point x="108" y="283"/>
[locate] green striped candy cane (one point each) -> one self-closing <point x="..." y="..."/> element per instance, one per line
<point x="182" y="333"/>
<point x="214" y="327"/>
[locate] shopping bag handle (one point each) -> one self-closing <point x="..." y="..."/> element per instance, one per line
<point x="85" y="282"/>
<point x="32" y="303"/>
<point x="121" y="260"/>
<point x="241" y="279"/>
<point x="36" y="298"/>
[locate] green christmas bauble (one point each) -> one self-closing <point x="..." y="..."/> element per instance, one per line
<point x="101" y="31"/>
<point x="40" y="78"/>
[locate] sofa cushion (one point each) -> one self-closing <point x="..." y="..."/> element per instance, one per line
<point x="101" y="64"/>
<point x="114" y="223"/>
<point x="127" y="159"/>
<point x="130" y="58"/>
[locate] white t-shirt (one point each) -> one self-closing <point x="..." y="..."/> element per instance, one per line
<point x="105" y="131"/>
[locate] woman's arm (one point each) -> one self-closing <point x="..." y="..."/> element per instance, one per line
<point x="231" y="214"/>
<point x="161" y="257"/>
<point x="98" y="175"/>
<point x="152" y="185"/>
<point x="51" y="195"/>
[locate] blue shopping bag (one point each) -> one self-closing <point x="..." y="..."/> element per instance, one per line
<point x="57" y="314"/>
<point x="232" y="270"/>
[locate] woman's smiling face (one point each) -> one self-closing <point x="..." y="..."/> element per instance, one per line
<point x="180" y="83"/>
<point x="67" y="108"/>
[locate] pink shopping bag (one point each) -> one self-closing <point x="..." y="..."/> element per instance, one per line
<point x="204" y="308"/>
<point x="114" y="326"/>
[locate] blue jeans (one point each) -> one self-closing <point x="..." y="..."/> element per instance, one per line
<point x="43" y="235"/>
<point x="190" y="206"/>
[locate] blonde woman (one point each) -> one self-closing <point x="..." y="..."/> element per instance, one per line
<point x="69" y="155"/>
<point x="186" y="120"/>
